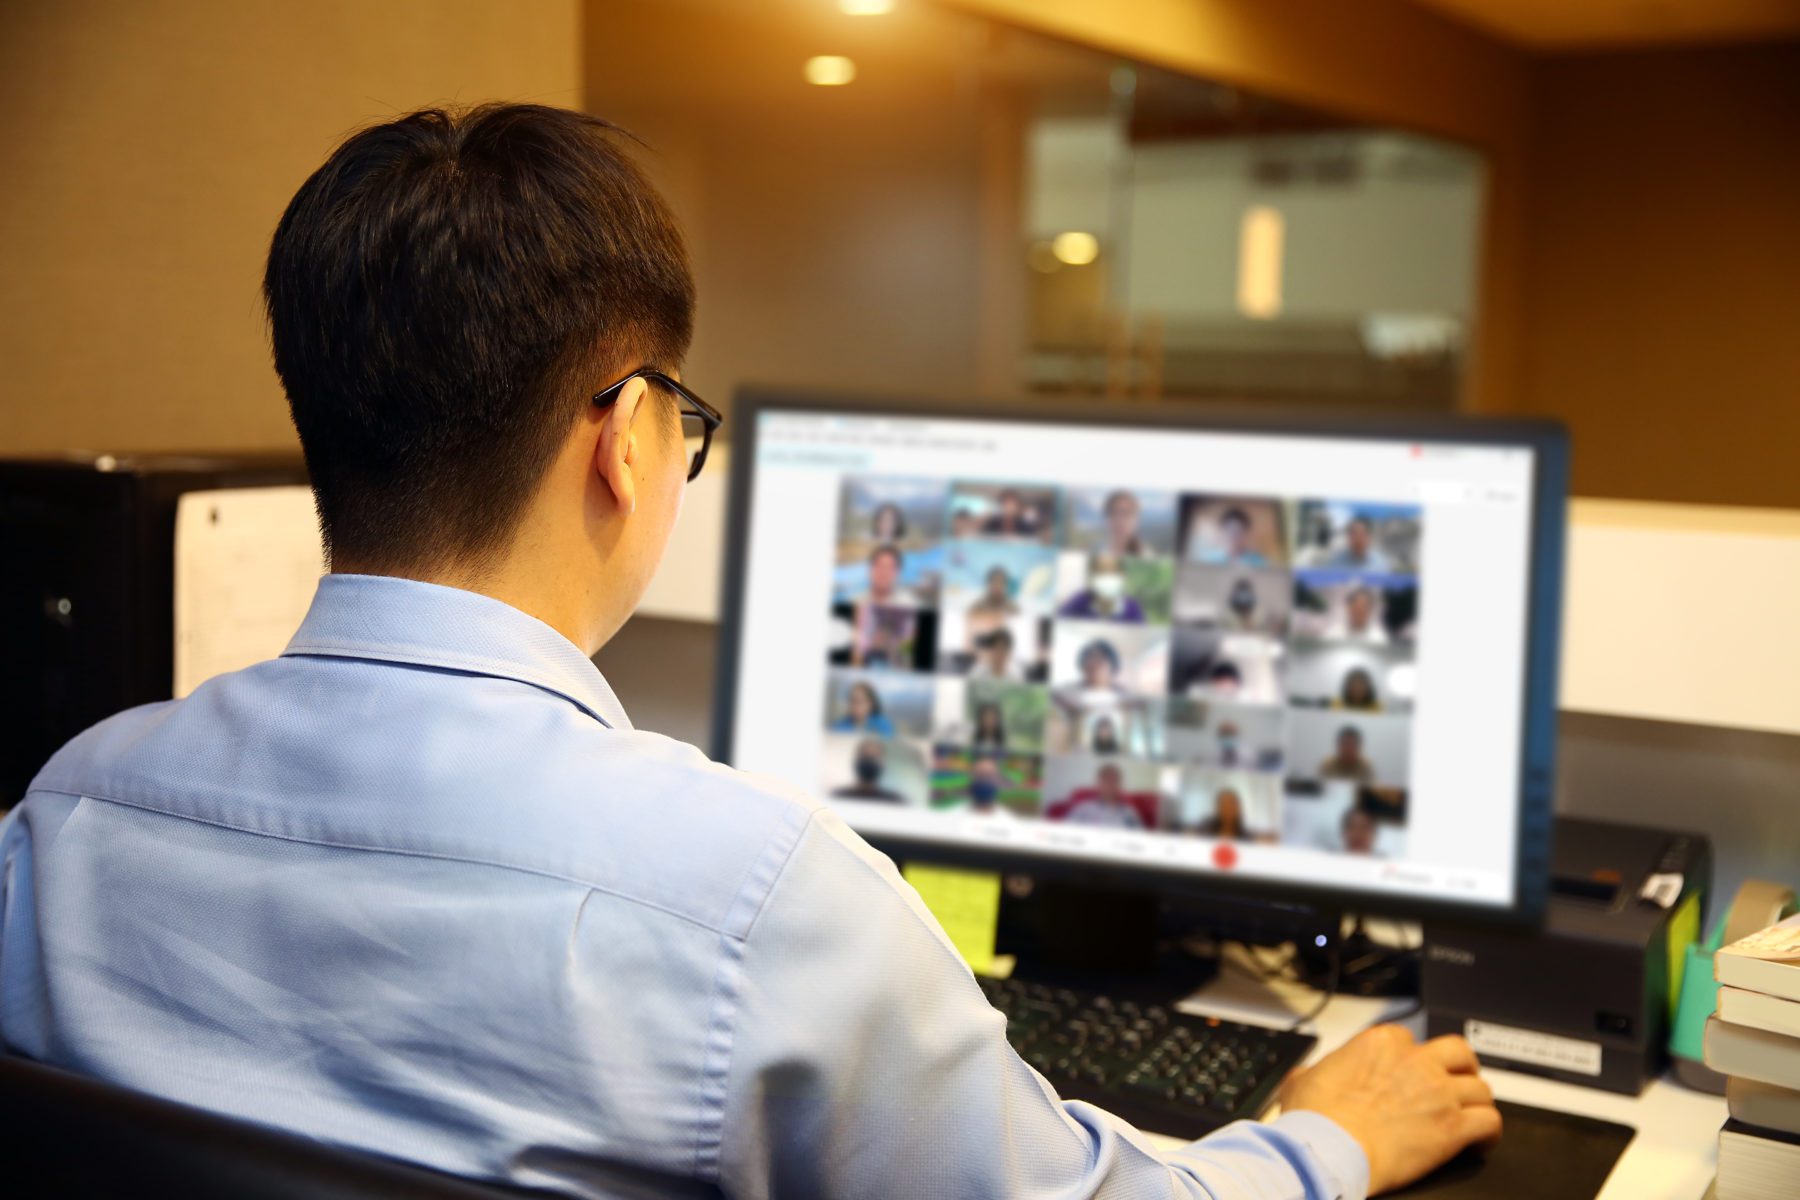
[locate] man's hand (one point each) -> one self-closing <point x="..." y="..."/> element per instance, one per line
<point x="1412" y="1107"/>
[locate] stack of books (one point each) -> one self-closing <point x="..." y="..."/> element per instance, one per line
<point x="1753" y="1037"/>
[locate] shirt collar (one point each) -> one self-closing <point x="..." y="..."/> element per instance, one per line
<point x="387" y="619"/>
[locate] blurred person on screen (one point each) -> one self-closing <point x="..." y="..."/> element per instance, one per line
<point x="1228" y="544"/>
<point x="1359" y="621"/>
<point x="1346" y="760"/>
<point x="1105" y="739"/>
<point x="885" y="566"/>
<point x="985" y="786"/>
<point x="1105" y="805"/>
<point x="869" y="765"/>
<point x="1123" y="514"/>
<point x="1359" y="551"/>
<point x="862" y="712"/>
<point x="1229" y="742"/>
<point x="884" y="636"/>
<point x="1012" y="516"/>
<point x="1099" y="688"/>
<point x="1359" y="831"/>
<point x="1099" y="664"/>
<point x="1227" y="820"/>
<point x="888" y="524"/>
<point x="1243" y="608"/>
<point x="990" y="727"/>
<point x="1357" y="692"/>
<point x="994" y="658"/>
<point x="990" y="611"/>
<point x="1104" y="597"/>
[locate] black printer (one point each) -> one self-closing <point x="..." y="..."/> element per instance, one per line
<point x="1589" y="997"/>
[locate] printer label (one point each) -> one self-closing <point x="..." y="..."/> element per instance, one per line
<point x="1529" y="1046"/>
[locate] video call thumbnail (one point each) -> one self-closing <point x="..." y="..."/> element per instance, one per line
<point x="984" y="783"/>
<point x="1239" y="668"/>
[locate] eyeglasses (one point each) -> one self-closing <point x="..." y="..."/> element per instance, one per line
<point x="698" y="418"/>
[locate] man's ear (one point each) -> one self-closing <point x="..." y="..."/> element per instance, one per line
<point x="617" y="451"/>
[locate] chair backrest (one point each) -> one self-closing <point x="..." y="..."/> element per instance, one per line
<point x="68" y="1135"/>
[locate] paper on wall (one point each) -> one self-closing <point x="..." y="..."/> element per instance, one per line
<point x="246" y="563"/>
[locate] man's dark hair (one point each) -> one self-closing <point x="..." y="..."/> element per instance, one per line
<point x="445" y="295"/>
<point x="887" y="550"/>
<point x="1235" y="516"/>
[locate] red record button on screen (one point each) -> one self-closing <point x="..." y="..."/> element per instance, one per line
<point x="1225" y="855"/>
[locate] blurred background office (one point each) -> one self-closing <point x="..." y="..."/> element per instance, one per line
<point x="1583" y="211"/>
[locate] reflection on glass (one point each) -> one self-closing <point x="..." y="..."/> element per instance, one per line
<point x="1234" y="245"/>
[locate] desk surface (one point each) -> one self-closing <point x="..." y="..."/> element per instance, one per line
<point x="1671" y="1158"/>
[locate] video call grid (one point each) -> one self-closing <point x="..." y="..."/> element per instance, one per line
<point x="1234" y="667"/>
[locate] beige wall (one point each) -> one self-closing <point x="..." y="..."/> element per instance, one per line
<point x="1662" y="271"/>
<point x="149" y="148"/>
<point x="841" y="237"/>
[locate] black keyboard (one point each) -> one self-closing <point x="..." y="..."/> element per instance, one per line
<point x="1162" y="1070"/>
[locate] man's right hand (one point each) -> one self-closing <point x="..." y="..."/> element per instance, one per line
<point x="1412" y="1107"/>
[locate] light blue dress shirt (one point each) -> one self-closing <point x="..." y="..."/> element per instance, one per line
<point x="418" y="887"/>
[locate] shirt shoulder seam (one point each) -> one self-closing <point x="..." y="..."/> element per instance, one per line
<point x="722" y="1007"/>
<point x="780" y="872"/>
<point x="339" y="844"/>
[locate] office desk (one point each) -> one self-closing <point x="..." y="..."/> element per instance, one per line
<point x="1671" y="1158"/>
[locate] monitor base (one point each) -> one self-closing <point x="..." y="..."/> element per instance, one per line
<point x="1139" y="944"/>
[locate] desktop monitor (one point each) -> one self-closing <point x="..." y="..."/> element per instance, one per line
<point x="1298" y="658"/>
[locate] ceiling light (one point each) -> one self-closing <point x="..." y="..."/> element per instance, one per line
<point x="1076" y="248"/>
<point x="1260" y="237"/>
<point x="829" y="70"/>
<point x="865" y="8"/>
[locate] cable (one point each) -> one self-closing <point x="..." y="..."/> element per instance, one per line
<point x="1330" y="991"/>
<point x="1281" y="970"/>
<point x="1410" y="956"/>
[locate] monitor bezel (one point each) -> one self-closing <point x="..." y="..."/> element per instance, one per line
<point x="1548" y="442"/>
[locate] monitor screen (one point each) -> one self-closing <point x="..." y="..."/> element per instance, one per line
<point x="1282" y="658"/>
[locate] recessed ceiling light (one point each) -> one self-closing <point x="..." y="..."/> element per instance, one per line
<point x="865" y="8"/>
<point x="1076" y="248"/>
<point x="829" y="70"/>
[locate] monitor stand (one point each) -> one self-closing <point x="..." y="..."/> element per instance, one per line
<point x="1159" y="948"/>
<point x="1099" y="940"/>
<point x="1139" y="945"/>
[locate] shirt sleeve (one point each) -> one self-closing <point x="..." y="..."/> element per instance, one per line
<point x="864" y="1061"/>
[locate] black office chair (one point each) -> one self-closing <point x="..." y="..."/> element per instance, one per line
<point x="66" y="1135"/>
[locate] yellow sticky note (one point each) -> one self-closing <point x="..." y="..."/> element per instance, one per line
<point x="1684" y="927"/>
<point x="966" y="904"/>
